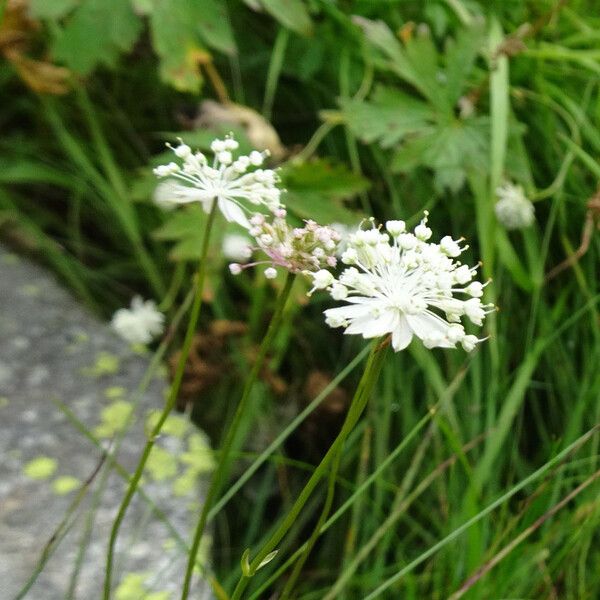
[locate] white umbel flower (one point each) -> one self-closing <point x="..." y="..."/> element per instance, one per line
<point x="236" y="184"/>
<point x="513" y="209"/>
<point x="398" y="283"/>
<point x="139" y="324"/>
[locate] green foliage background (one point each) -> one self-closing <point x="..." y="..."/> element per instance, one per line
<point x="387" y="108"/>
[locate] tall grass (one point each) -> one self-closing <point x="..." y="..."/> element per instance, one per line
<point x="467" y="477"/>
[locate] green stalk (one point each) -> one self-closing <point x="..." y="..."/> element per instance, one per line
<point x="169" y="405"/>
<point x="221" y="471"/>
<point x="312" y="540"/>
<point x="276" y="443"/>
<point x="359" y="401"/>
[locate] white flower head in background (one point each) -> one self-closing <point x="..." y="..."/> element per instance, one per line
<point x="513" y="209"/>
<point x="398" y="283"/>
<point x="236" y="184"/>
<point x="164" y="195"/>
<point x="295" y="249"/>
<point x="236" y="247"/>
<point x="140" y="323"/>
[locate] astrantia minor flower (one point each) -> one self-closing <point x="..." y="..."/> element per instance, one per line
<point x="399" y="283"/>
<point x="237" y="184"/>
<point x="139" y="324"/>
<point x="296" y="249"/>
<point x="513" y="209"/>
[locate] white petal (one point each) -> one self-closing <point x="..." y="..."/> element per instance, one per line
<point x="402" y="335"/>
<point x="232" y="212"/>
<point x="384" y="323"/>
<point x="348" y="312"/>
<point x="426" y="325"/>
<point x="183" y="194"/>
<point x="359" y="326"/>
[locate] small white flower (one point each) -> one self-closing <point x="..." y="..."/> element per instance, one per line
<point x="513" y="209"/>
<point x="235" y="268"/>
<point x="339" y="291"/>
<point x="322" y="279"/>
<point x="349" y="256"/>
<point x="230" y="183"/>
<point x="139" y="324"/>
<point x="422" y="232"/>
<point x="236" y="247"/>
<point x="270" y="273"/>
<point x="450" y="247"/>
<point x="405" y="288"/>
<point x="395" y="227"/>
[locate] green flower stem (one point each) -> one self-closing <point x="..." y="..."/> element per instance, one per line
<point x="359" y="401"/>
<point x="312" y="540"/>
<point x="221" y="471"/>
<point x="169" y="405"/>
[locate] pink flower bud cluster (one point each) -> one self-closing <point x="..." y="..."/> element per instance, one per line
<point x="296" y="249"/>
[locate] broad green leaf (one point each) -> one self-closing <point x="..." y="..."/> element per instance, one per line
<point x="316" y="190"/>
<point x="96" y="33"/>
<point x="51" y="9"/>
<point x="450" y="151"/>
<point x="177" y="41"/>
<point x="185" y="227"/>
<point x="384" y="40"/>
<point x="292" y="14"/>
<point x="388" y="116"/>
<point x="213" y="24"/>
<point x="460" y="57"/>
<point x="426" y="72"/>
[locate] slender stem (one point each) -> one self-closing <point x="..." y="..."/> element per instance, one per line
<point x="169" y="404"/>
<point x="276" y="443"/>
<point x="359" y="401"/>
<point x="221" y="471"/>
<point x="312" y="540"/>
<point x="319" y="135"/>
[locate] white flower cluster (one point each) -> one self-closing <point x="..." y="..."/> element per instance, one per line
<point x="297" y="249"/>
<point x="399" y="283"/>
<point x="513" y="209"/>
<point x="234" y="183"/>
<point x="139" y="324"/>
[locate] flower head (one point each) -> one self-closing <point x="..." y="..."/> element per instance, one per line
<point x="139" y="324"/>
<point x="513" y="209"/>
<point x="399" y="283"/>
<point x="297" y="249"/>
<point x="236" y="184"/>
